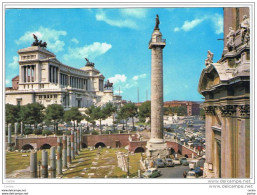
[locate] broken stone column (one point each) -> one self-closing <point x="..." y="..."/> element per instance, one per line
<point x="68" y="151"/>
<point x="9" y="143"/>
<point x="16" y="132"/>
<point x="81" y="138"/>
<point x="72" y="144"/>
<point x="64" y="151"/>
<point x="21" y="129"/>
<point x="44" y="168"/>
<point x="33" y="164"/>
<point x="53" y="162"/>
<point x="75" y="143"/>
<point x="59" y="156"/>
<point x="78" y="140"/>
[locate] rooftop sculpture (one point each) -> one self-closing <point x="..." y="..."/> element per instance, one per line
<point x="230" y="39"/>
<point x="209" y="59"/>
<point x="108" y="84"/>
<point x="89" y="63"/>
<point x="38" y="43"/>
<point x="245" y="29"/>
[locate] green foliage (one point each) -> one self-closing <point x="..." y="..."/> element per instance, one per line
<point x="54" y="113"/>
<point x="95" y="133"/>
<point x="73" y="114"/>
<point x="32" y="113"/>
<point x="12" y="113"/>
<point x="179" y="110"/>
<point x="202" y="113"/>
<point x="28" y="130"/>
<point x="46" y="132"/>
<point x="144" y="111"/>
<point x="37" y="131"/>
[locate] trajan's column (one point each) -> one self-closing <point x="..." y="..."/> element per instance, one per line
<point x="156" y="147"/>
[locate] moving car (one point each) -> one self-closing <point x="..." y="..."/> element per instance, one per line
<point x="198" y="171"/>
<point x="169" y="162"/>
<point x="184" y="161"/>
<point x="151" y="173"/>
<point x="159" y="163"/>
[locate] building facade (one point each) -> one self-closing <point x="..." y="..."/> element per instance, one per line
<point x="193" y="108"/>
<point x="226" y="88"/>
<point x="45" y="80"/>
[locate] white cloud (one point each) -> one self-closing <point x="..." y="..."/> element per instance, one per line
<point x="139" y="77"/>
<point x="216" y="20"/>
<point x="101" y="16"/>
<point x="176" y="29"/>
<point x="134" y="12"/>
<point x="118" y="78"/>
<point x="89" y="51"/>
<point x="7" y="81"/>
<point x="14" y="64"/>
<point x="51" y="36"/>
<point x="218" y="23"/>
<point x="189" y="25"/>
<point x="74" y="40"/>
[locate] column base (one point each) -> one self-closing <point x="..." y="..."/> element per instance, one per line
<point x="156" y="149"/>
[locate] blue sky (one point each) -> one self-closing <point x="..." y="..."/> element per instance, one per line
<point x="116" y="40"/>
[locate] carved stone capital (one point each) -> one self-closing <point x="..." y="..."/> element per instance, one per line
<point x="209" y="110"/>
<point x="227" y="110"/>
<point x="244" y="111"/>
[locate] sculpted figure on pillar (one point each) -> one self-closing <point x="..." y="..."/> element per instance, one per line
<point x="89" y="63"/>
<point x="209" y="59"/>
<point x="157" y="22"/>
<point x="231" y="39"/>
<point x="245" y="29"/>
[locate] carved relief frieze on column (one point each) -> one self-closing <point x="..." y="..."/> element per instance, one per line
<point x="244" y="111"/>
<point x="227" y="110"/>
<point x="209" y="110"/>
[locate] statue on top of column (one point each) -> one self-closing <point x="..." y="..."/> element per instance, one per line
<point x="209" y="59"/>
<point x="89" y="63"/>
<point x="157" y="22"/>
<point x="38" y="43"/>
<point x="245" y="29"/>
<point x="230" y="39"/>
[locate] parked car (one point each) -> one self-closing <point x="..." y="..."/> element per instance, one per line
<point x="159" y="163"/>
<point x="151" y="173"/>
<point x="176" y="161"/>
<point x="198" y="171"/>
<point x="169" y="162"/>
<point x="184" y="161"/>
<point x="191" y="174"/>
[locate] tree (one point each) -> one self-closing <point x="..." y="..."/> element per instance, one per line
<point x="110" y="110"/>
<point x="73" y="115"/>
<point x="123" y="115"/>
<point x="131" y="111"/>
<point x="55" y="113"/>
<point x="90" y="115"/>
<point x="32" y="114"/>
<point x="202" y="113"/>
<point x="144" y="111"/>
<point x="100" y="113"/>
<point x="12" y="113"/>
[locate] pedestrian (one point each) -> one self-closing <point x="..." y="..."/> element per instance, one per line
<point x="184" y="174"/>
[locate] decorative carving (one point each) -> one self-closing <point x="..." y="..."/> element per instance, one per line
<point x="157" y="22"/>
<point x="209" y="59"/>
<point x="38" y="43"/>
<point x="228" y="110"/>
<point x="244" y="111"/>
<point x="89" y="63"/>
<point x="231" y="39"/>
<point x="245" y="30"/>
<point x="108" y="85"/>
<point x="209" y="110"/>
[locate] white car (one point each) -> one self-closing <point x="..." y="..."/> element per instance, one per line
<point x="176" y="161"/>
